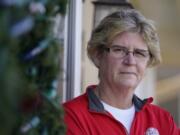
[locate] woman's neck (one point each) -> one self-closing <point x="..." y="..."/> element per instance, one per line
<point x="120" y="97"/>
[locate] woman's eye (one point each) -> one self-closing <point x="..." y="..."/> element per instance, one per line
<point x="118" y="50"/>
<point x="140" y="54"/>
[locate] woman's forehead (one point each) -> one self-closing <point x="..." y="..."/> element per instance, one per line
<point x="129" y="39"/>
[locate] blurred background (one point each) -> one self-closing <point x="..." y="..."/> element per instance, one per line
<point x="39" y="77"/>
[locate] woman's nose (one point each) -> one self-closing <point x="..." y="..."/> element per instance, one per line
<point x="129" y="59"/>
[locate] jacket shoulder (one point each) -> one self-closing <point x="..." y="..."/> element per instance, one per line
<point x="156" y="109"/>
<point x="78" y="102"/>
<point x="158" y="112"/>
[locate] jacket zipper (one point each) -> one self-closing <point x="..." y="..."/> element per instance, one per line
<point x="109" y="115"/>
<point x="132" y="125"/>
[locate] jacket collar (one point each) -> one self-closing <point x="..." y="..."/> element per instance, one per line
<point x="96" y="105"/>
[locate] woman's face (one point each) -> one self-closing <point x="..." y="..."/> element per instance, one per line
<point x="127" y="70"/>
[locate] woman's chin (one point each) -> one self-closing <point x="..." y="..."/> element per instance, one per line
<point x="127" y="83"/>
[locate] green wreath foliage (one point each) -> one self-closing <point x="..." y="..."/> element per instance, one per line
<point x="29" y="67"/>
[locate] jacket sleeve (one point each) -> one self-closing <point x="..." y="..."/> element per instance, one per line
<point x="72" y="122"/>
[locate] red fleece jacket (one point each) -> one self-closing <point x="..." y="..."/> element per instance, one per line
<point x="85" y="115"/>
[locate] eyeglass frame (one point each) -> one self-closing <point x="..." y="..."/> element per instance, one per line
<point x="138" y="54"/>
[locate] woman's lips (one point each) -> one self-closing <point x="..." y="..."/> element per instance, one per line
<point x="129" y="73"/>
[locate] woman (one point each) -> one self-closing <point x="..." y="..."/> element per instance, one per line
<point x="122" y="47"/>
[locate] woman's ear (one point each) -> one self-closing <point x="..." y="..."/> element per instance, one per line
<point x="96" y="62"/>
<point x="97" y="59"/>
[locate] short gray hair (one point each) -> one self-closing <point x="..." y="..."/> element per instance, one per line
<point x="125" y="20"/>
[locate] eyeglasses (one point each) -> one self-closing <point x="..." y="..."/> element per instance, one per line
<point x="120" y="52"/>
